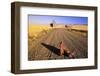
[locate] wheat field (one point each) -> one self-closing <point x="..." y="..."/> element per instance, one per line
<point x="38" y="34"/>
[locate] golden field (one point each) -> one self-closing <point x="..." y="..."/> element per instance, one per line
<point x="79" y="27"/>
<point x="39" y="34"/>
<point x="34" y="30"/>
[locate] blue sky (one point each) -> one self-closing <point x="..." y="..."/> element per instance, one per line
<point x="44" y="19"/>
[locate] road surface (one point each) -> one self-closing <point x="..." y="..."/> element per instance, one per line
<point x="46" y="47"/>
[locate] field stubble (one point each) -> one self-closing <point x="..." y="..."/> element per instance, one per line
<point x="36" y="51"/>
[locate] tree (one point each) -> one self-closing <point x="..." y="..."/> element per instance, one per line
<point x="52" y="23"/>
<point x="66" y="26"/>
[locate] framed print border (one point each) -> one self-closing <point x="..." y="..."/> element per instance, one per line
<point x="15" y="37"/>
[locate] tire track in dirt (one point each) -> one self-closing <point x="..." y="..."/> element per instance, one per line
<point x="35" y="53"/>
<point x="55" y="41"/>
<point x="78" y="46"/>
<point x="41" y="52"/>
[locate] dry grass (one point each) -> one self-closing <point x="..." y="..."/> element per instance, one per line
<point x="79" y="27"/>
<point x="38" y="33"/>
<point x="34" y="30"/>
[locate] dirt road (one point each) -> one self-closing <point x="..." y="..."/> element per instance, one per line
<point x="47" y="46"/>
